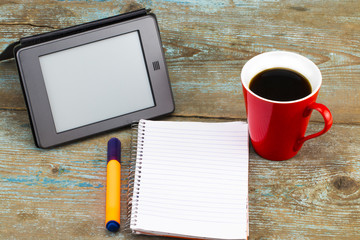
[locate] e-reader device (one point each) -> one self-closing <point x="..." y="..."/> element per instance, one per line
<point x="93" y="77"/>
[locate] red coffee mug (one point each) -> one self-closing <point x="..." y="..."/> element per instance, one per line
<point x="277" y="128"/>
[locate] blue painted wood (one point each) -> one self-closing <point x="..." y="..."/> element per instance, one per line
<point x="60" y="193"/>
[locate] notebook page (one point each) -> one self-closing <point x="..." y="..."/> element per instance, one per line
<point x="192" y="179"/>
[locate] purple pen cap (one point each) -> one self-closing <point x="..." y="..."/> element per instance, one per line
<point x="114" y="150"/>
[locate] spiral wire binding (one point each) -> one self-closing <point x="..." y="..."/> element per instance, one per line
<point x="137" y="143"/>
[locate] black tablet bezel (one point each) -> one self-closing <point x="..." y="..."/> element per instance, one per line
<point x="36" y="95"/>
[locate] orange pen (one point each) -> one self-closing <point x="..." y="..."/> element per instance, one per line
<point x="113" y="185"/>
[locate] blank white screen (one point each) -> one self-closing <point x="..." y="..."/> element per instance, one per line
<point x="96" y="81"/>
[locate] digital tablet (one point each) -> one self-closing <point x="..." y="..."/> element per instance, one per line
<point x="94" y="81"/>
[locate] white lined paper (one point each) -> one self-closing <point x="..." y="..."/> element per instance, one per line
<point x="191" y="179"/>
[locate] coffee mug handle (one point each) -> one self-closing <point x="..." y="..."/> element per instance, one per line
<point x="328" y="119"/>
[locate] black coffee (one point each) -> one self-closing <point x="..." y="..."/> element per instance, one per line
<point x="280" y="85"/>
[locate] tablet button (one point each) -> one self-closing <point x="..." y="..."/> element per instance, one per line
<point x="156" y="65"/>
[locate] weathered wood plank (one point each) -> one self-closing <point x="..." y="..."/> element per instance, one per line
<point x="59" y="190"/>
<point x="315" y="195"/>
<point x="206" y="45"/>
<point x="62" y="191"/>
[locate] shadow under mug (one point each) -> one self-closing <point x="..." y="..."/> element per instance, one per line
<point x="277" y="128"/>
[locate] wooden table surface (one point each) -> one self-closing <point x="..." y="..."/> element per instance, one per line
<point x="60" y="193"/>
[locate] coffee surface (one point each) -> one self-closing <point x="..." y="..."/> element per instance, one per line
<point x="280" y="85"/>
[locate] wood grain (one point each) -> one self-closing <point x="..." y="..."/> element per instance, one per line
<point x="207" y="44"/>
<point x="316" y="195"/>
<point x="63" y="190"/>
<point x="60" y="193"/>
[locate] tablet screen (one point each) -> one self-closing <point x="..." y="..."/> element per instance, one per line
<point x="96" y="81"/>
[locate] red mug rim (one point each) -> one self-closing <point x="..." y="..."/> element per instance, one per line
<point x="283" y="54"/>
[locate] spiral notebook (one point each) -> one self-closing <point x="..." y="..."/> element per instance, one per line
<point x="190" y="180"/>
